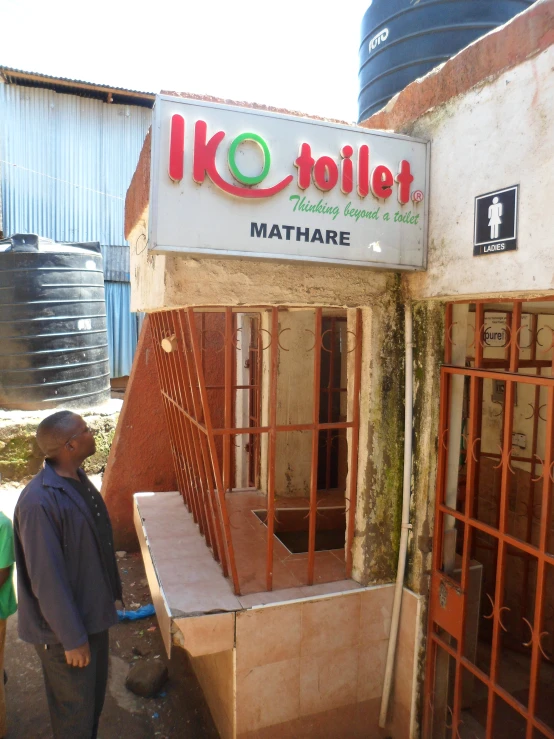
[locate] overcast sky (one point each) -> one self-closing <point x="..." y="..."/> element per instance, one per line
<point x="295" y="54"/>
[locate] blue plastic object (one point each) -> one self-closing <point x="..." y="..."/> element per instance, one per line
<point x="142" y="612"/>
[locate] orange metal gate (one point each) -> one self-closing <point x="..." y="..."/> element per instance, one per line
<point x="490" y="670"/>
<point x="203" y="428"/>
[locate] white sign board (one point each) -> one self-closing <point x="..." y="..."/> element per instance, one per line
<point x="232" y="181"/>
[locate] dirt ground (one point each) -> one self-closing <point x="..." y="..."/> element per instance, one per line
<point x="178" y="712"/>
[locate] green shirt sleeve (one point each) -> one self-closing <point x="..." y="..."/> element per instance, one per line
<point x="7" y="557"/>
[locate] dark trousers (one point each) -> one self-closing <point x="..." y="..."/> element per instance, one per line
<point x="75" y="694"/>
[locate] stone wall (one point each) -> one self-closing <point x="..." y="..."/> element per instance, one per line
<point x="20" y="457"/>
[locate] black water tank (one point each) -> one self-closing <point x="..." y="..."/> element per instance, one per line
<point x="53" y="339"/>
<point x="404" y="39"/>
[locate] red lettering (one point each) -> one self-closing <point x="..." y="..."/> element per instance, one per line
<point x="326" y="173"/>
<point x="204" y="152"/>
<point x="204" y="164"/>
<point x="363" y="171"/>
<point x="305" y="162"/>
<point x="382" y="182"/>
<point x="346" y="170"/>
<point x="177" y="148"/>
<point x="325" y="170"/>
<point x="404" y="179"/>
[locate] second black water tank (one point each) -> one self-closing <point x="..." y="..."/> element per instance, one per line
<point x="404" y="39"/>
<point x="53" y="337"/>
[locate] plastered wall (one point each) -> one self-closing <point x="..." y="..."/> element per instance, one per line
<point x="160" y="281"/>
<point x="496" y="135"/>
<point x="381" y="439"/>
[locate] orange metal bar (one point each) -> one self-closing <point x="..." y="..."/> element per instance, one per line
<point x="199" y="512"/>
<point x="185" y="413"/>
<point x="291" y="427"/>
<point x="491" y="375"/>
<point x="201" y="447"/>
<point x="255" y="400"/>
<point x="165" y="324"/>
<point x="210" y="498"/>
<point x="355" y="440"/>
<point x="448" y="334"/>
<point x="493" y="363"/>
<point x="443" y="440"/>
<point x="541" y="568"/>
<point x="533" y="461"/>
<point x="228" y="410"/>
<point x="223" y="514"/>
<point x="272" y="442"/>
<point x="203" y="518"/>
<point x="503" y="511"/>
<point x="514" y="336"/>
<point x="329" y="434"/>
<point x="164" y="384"/>
<point x="312" y="525"/>
<point x="479" y="333"/>
<point x="205" y="522"/>
<point x="501" y="561"/>
<point x="471" y="480"/>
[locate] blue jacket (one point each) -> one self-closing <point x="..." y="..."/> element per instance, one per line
<point x="64" y="592"/>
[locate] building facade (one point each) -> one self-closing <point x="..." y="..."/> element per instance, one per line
<point x="284" y="386"/>
<point x="67" y="152"/>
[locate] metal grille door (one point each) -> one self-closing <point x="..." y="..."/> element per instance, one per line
<point x="490" y="670"/>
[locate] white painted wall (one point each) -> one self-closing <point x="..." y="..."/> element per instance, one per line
<point x="496" y="135"/>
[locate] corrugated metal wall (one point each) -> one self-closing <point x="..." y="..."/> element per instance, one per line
<point x="117" y="263"/>
<point x="65" y="165"/>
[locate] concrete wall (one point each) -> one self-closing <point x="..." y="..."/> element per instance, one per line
<point x="295" y="402"/>
<point x="501" y="134"/>
<point x="487" y="113"/>
<point x="378" y="510"/>
<point x="174" y="281"/>
<point x="428" y="323"/>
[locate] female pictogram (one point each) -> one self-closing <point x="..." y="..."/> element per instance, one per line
<point x="495" y="217"/>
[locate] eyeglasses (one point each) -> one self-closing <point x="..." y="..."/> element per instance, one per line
<point x="82" y="431"/>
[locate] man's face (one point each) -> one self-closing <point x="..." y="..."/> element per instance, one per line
<point x="81" y="440"/>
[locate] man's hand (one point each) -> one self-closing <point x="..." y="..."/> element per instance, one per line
<point x="79" y="657"/>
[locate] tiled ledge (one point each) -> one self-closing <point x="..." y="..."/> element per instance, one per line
<point x="186" y="582"/>
<point x="320" y="649"/>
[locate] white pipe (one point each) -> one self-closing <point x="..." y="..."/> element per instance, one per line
<point x="406" y="526"/>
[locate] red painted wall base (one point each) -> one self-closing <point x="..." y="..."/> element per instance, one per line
<point x="140" y="457"/>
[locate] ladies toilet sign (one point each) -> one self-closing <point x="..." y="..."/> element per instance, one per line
<point x="496" y="222"/>
<point x="234" y="181"/>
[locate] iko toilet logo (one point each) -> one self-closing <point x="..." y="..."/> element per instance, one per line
<point x="346" y="169"/>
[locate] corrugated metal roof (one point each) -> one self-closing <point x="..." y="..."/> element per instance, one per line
<point x="66" y="163"/>
<point x="107" y="93"/>
<point x="116" y="261"/>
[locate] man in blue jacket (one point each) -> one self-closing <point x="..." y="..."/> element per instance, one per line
<point x="67" y="575"/>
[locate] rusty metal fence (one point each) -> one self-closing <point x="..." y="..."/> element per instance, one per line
<point x="490" y="653"/>
<point x="202" y="447"/>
